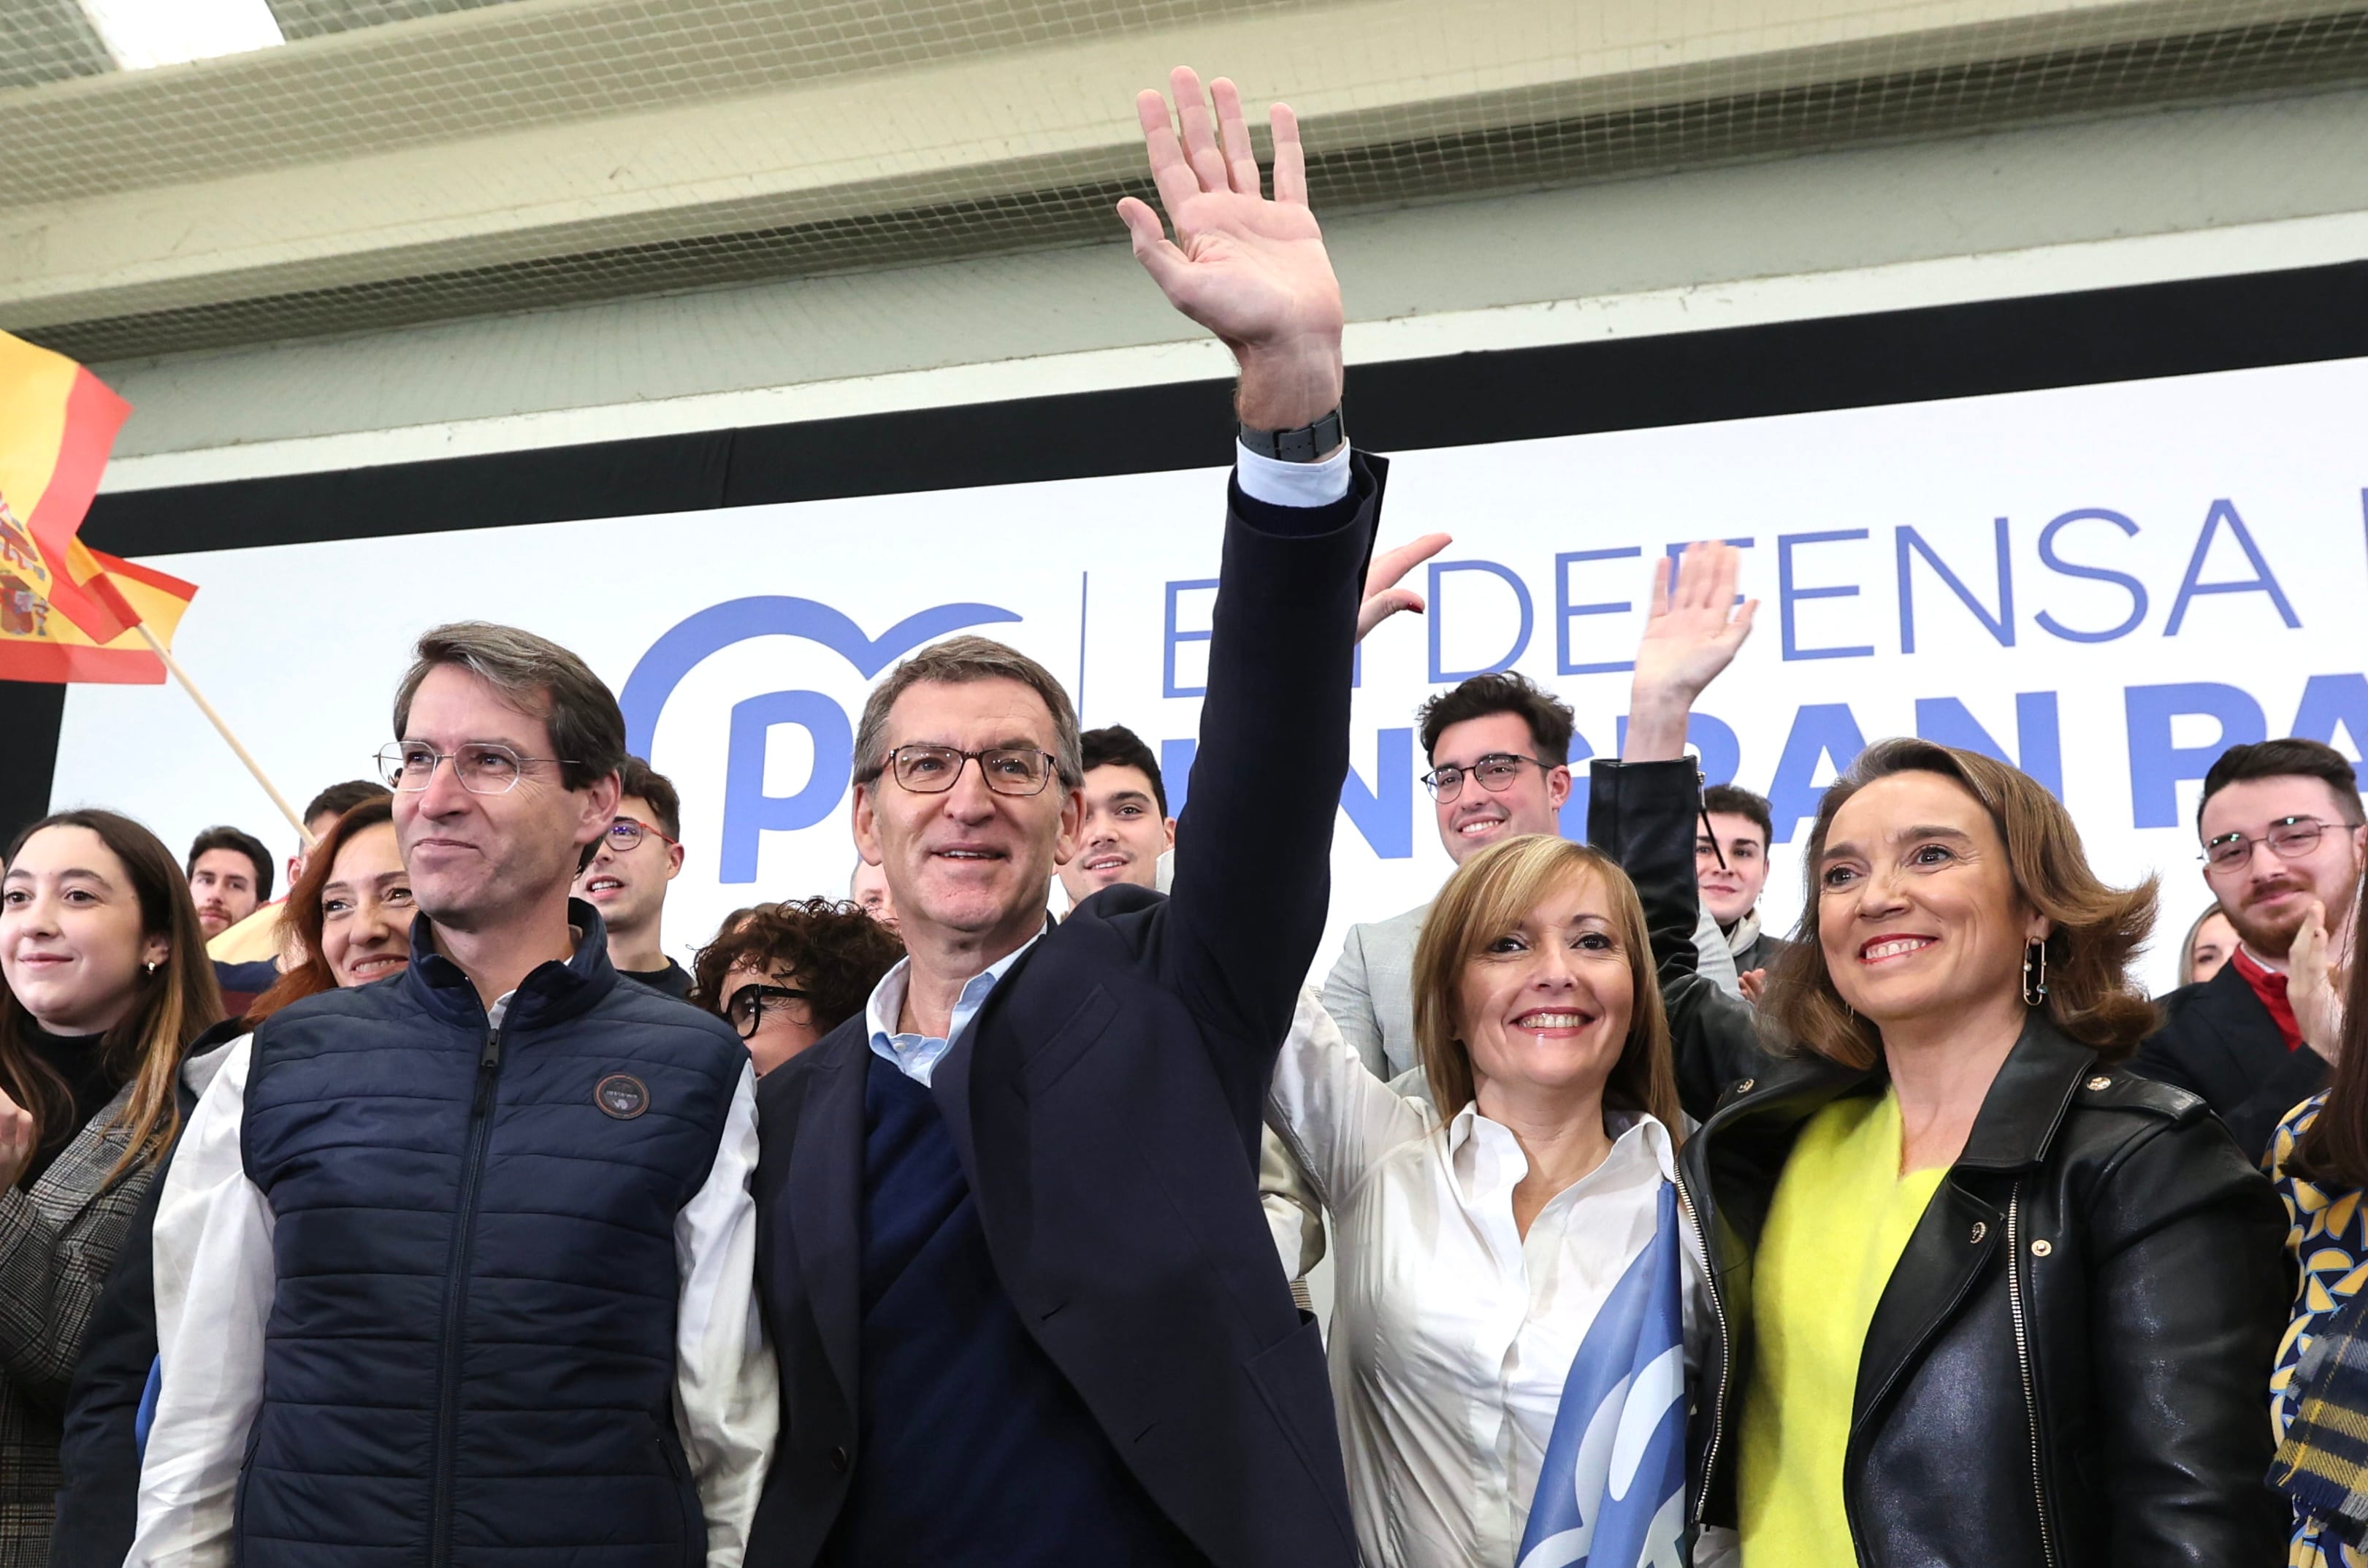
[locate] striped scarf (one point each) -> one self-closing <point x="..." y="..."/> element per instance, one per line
<point x="2322" y="1463"/>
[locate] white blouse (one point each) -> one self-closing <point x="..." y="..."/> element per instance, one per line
<point x="1451" y="1334"/>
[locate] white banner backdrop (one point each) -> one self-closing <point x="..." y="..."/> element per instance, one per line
<point x="2105" y="584"/>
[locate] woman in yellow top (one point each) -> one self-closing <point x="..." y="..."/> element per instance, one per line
<point x="1985" y="1297"/>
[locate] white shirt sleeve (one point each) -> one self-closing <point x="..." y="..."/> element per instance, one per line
<point x="1280" y="483"/>
<point x="727" y="1396"/>
<point x="214" y="1281"/>
<point x="1336" y="1118"/>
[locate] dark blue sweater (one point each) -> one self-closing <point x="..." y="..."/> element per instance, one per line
<point x="976" y="1449"/>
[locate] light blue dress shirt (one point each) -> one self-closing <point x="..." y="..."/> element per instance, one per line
<point x="1269" y="480"/>
<point x="916" y="1055"/>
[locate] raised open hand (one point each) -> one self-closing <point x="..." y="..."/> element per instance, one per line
<point x="1383" y="597"/>
<point x="1691" y="634"/>
<point x="1251" y="270"/>
<point x="2315" y="986"/>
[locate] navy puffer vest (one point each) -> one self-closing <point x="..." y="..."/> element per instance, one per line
<point x="470" y="1352"/>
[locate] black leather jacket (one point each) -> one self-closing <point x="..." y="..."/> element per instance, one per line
<point x="2070" y="1365"/>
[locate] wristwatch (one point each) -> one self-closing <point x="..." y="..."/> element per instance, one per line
<point x="1309" y="443"/>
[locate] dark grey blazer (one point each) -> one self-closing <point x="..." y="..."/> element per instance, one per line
<point x="2217" y="1040"/>
<point x="57" y="1242"/>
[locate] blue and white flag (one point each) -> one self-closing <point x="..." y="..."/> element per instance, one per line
<point x="1612" y="1492"/>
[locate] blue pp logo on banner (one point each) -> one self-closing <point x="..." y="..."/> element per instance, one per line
<point x="748" y="812"/>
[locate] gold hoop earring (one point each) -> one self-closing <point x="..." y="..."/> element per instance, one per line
<point x="2035" y="973"/>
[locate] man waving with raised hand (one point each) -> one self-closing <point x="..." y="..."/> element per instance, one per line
<point x="1026" y="1307"/>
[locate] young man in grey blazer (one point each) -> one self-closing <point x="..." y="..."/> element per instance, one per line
<point x="1499" y="750"/>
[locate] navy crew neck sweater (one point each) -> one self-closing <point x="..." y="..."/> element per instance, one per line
<point x="974" y="1448"/>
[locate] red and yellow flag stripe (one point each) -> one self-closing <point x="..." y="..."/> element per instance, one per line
<point x="67" y="613"/>
<point x="57" y="424"/>
<point x="38" y="644"/>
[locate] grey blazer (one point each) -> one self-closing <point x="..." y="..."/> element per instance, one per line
<point x="57" y="1242"/>
<point x="1369" y="993"/>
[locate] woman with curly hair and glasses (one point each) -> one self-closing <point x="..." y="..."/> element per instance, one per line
<point x="785" y="975"/>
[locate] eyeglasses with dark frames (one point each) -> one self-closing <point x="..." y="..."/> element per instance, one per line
<point x="2289" y="838"/>
<point x="483" y="768"/>
<point x="1007" y="770"/>
<point x="745" y="1010"/>
<point x="1495" y="771"/>
<point x="627" y="832"/>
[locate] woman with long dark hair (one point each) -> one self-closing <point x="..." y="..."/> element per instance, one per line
<point x="1985" y="1295"/>
<point x="107" y="981"/>
<point x="348" y="918"/>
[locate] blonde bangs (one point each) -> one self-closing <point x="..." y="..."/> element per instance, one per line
<point x="1493" y="894"/>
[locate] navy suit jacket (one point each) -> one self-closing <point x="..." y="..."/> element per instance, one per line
<point x="1106" y="1105"/>
<point x="2218" y="1041"/>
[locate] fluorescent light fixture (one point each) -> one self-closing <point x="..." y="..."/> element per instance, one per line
<point x="140" y="33"/>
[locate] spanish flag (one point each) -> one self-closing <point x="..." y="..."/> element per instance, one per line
<point x="67" y="613"/>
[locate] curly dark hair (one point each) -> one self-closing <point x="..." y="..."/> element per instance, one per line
<point x="837" y="951"/>
<point x="1549" y="718"/>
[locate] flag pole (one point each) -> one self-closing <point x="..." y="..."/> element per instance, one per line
<point x="304" y="835"/>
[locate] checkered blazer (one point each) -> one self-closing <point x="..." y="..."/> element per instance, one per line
<point x="57" y="1242"/>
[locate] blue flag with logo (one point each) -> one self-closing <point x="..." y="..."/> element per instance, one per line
<point x="1612" y="1491"/>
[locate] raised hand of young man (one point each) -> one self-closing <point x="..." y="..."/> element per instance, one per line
<point x="1690" y="636"/>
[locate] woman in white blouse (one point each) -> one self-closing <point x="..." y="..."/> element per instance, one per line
<point x="1473" y="1253"/>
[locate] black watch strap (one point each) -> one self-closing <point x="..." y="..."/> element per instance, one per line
<point x="1309" y="443"/>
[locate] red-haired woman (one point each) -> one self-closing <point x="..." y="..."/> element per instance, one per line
<point x="349" y="914"/>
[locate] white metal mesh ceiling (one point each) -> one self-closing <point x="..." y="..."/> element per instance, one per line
<point x="47" y="41"/>
<point x="310" y="19"/>
<point x="411" y="160"/>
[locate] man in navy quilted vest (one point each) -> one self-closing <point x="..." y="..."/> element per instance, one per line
<point x="472" y="1248"/>
<point x="1028" y="1309"/>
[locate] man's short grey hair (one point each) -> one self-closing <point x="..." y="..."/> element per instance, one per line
<point x="958" y="661"/>
<point x="538" y="677"/>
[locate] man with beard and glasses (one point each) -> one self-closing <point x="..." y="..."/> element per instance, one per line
<point x="2281" y="823"/>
